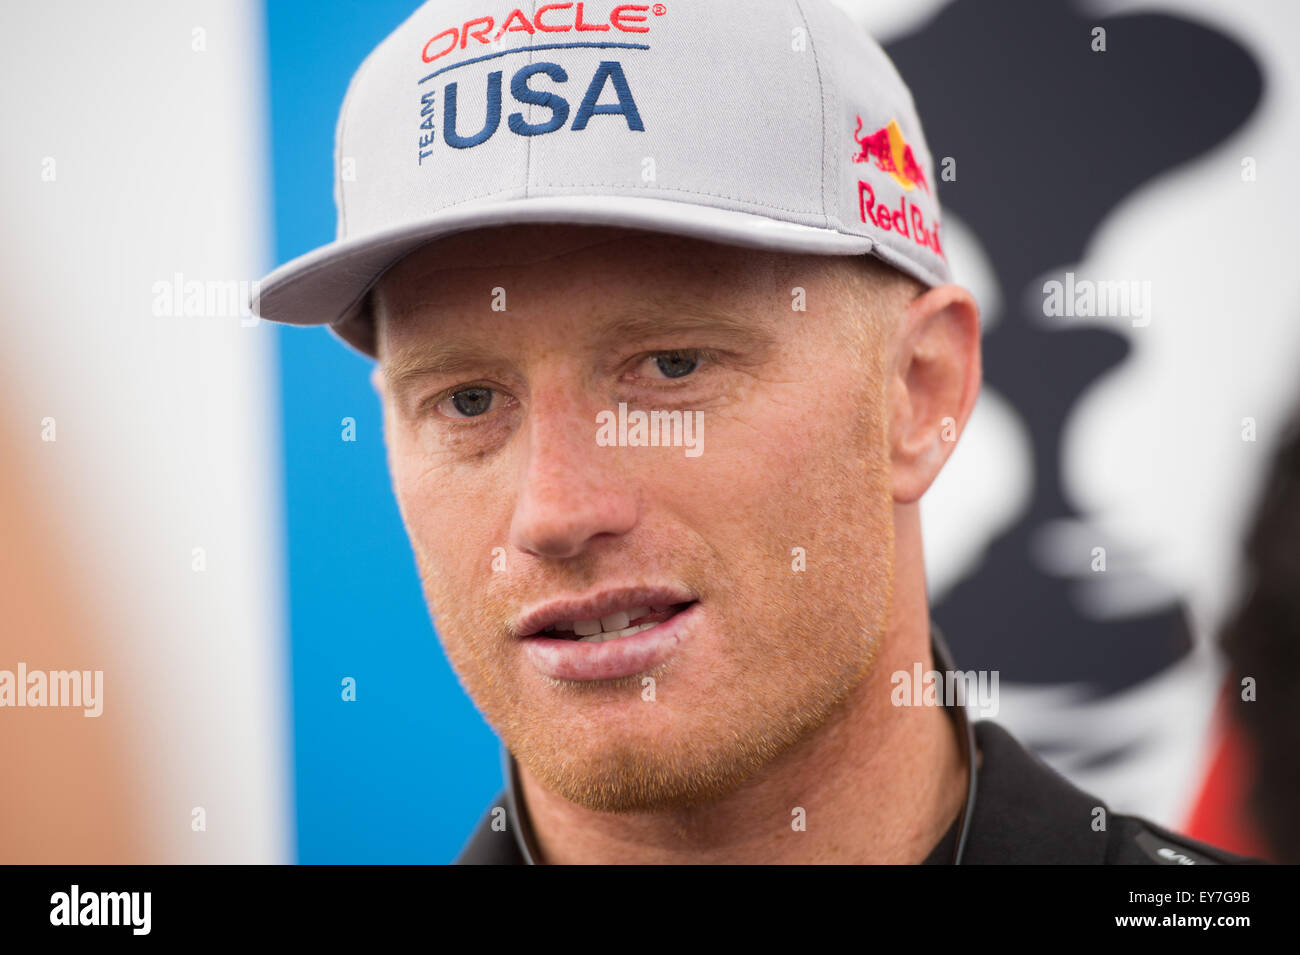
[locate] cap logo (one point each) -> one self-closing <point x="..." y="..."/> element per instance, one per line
<point x="887" y="148"/>
<point x="549" y="18"/>
<point x="609" y="72"/>
<point x="447" y="97"/>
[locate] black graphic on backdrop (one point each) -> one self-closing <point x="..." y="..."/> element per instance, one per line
<point x="1049" y="137"/>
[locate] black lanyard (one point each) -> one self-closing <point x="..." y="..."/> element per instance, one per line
<point x="965" y="729"/>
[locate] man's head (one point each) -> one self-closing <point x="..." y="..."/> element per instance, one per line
<point x="825" y="393"/>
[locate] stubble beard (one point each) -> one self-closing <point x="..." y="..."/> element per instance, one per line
<point x="796" y="678"/>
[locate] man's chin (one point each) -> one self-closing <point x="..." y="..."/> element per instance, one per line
<point x="639" y="791"/>
<point x="643" y="777"/>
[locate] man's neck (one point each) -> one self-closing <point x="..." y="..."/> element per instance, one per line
<point x="877" y="783"/>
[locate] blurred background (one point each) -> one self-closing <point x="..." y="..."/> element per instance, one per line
<point x="197" y="504"/>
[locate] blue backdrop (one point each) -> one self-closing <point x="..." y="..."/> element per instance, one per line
<point x="402" y="774"/>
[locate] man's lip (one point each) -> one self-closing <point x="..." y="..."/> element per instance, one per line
<point x="594" y="606"/>
<point x="574" y="660"/>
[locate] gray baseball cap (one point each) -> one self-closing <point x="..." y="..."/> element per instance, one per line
<point x="773" y="124"/>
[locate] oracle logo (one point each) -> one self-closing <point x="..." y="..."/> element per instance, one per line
<point x="549" y="18"/>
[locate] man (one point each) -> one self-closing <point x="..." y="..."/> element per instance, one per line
<point x="669" y="352"/>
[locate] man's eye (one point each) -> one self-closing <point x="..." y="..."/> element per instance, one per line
<point x="467" y="403"/>
<point x="672" y="364"/>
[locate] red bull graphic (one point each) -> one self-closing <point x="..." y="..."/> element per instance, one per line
<point x="887" y="148"/>
<point x="908" y="219"/>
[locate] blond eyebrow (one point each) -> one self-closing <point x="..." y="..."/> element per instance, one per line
<point x="662" y="319"/>
<point x="676" y="316"/>
<point x="438" y="358"/>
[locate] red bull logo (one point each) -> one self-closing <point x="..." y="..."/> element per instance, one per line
<point x="907" y="219"/>
<point x="890" y="152"/>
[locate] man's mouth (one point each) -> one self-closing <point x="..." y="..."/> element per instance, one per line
<point x="621" y="623"/>
<point x="609" y="634"/>
<point x="610" y="614"/>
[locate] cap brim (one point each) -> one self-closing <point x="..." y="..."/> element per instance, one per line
<point x="328" y="285"/>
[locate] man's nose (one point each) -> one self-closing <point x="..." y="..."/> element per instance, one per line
<point x="572" y="491"/>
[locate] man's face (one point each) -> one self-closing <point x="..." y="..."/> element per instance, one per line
<point x="770" y="543"/>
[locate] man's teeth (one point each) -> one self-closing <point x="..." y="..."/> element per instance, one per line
<point x="608" y="628"/>
<point x="615" y="621"/>
<point x="626" y="632"/>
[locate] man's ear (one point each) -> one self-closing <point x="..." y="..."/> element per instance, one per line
<point x="935" y="379"/>
<point x="377" y="379"/>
